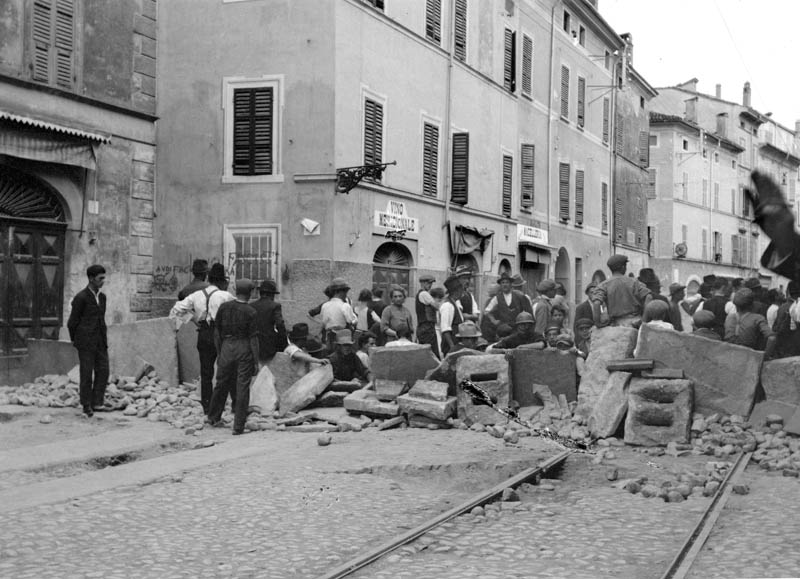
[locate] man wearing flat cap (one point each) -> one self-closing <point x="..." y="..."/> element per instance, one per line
<point x="649" y="278"/>
<point x="625" y="297"/>
<point x="677" y="291"/>
<point x="507" y="304"/>
<point x="543" y="305"/>
<point x="236" y="339"/>
<point x="336" y="313"/>
<point x="270" y="326"/>
<point x="201" y="307"/>
<point x="426" y="311"/>
<point x="199" y="272"/>
<point x="704" y="322"/>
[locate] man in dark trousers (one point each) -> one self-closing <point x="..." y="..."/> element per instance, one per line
<point x="426" y="311"/>
<point x="716" y="305"/>
<point x="199" y="271"/>
<point x="269" y="322"/>
<point x="87" y="330"/>
<point x="237" y="356"/>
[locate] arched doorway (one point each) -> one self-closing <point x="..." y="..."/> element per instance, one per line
<point x="32" y="230"/>
<point x="599" y="276"/>
<point x="562" y="270"/>
<point x="505" y="266"/>
<point x="391" y="265"/>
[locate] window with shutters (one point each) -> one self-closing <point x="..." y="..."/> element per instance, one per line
<point x="252" y="129"/>
<point x="716" y="196"/>
<point x="733" y="201"/>
<point x="705" y="192"/>
<point x="619" y="135"/>
<point x="564" y="92"/>
<point x="579" y="197"/>
<point x="508" y="168"/>
<point x="717" y="246"/>
<point x="606" y="120"/>
<point x="527" y="155"/>
<point x="53" y="50"/>
<point x="734" y="249"/>
<point x="373" y="132"/>
<point x="433" y="21"/>
<point x="563" y="191"/>
<point x="460" y="40"/>
<point x="430" y="160"/>
<point x="644" y="148"/>
<point x="567" y="22"/>
<point x="581" y="101"/>
<point x="619" y="229"/>
<point x="704" y="237"/>
<point x="460" y="169"/>
<point x="652" y="175"/>
<point x="604" y="208"/>
<point x="510" y="61"/>
<point x="379" y="4"/>
<point x="527" y="65"/>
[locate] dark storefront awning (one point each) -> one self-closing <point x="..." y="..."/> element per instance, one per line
<point x="465" y="239"/>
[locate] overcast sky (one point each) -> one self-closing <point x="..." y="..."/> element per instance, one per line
<point x="723" y="42"/>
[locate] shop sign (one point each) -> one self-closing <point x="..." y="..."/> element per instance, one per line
<point x="532" y="235"/>
<point x="395" y="218"/>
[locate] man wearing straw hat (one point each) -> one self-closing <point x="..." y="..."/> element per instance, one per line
<point x="336" y="313"/>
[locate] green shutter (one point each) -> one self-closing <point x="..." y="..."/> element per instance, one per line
<point x="64" y="43"/>
<point x="508" y="167"/>
<point x="579" y="197"/>
<point x="433" y="20"/>
<point x="564" y="92"/>
<point x="460" y="48"/>
<point x="430" y="160"/>
<point x="527" y="176"/>
<point x="606" y="113"/>
<point x="252" y="131"/>
<point x="460" y="172"/>
<point x="373" y="132"/>
<point x="644" y="148"/>
<point x="527" y="65"/>
<point x="510" y="61"/>
<point x="563" y="191"/>
<point x="604" y="208"/>
<point x="581" y="101"/>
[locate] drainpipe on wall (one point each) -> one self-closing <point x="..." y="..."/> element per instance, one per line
<point x="448" y="139"/>
<point x="612" y="139"/>
<point x="550" y="120"/>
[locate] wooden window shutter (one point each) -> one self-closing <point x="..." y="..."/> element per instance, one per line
<point x="510" y="61"/>
<point x="433" y="20"/>
<point x="651" y="183"/>
<point x="579" y="197"/>
<point x="373" y="132"/>
<point x="619" y="230"/>
<point x="460" y="41"/>
<point x="604" y="208"/>
<point x="527" y="177"/>
<point x="252" y="131"/>
<point x="606" y="119"/>
<point x="581" y="101"/>
<point x="430" y="161"/>
<point x="564" y="91"/>
<point x="64" y="43"/>
<point x="508" y="167"/>
<point x="527" y="65"/>
<point x="619" y="135"/>
<point x="563" y="191"/>
<point x="42" y="39"/>
<point x="460" y="172"/>
<point x="644" y="148"/>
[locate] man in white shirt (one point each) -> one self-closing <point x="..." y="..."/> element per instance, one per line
<point x="201" y="308"/>
<point x="336" y="313"/>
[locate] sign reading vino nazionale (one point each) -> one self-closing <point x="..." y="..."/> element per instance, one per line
<point x="396" y="218"/>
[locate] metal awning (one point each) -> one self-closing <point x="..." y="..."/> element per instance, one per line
<point x="40" y="124"/>
<point x="536" y="246"/>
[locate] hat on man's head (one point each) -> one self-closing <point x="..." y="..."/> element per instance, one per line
<point x="592" y="284"/>
<point x="199" y="266"/>
<point x="463" y="271"/>
<point x="584" y="323"/>
<point x="468" y="329"/>
<point x="217" y="273"/>
<point x="752" y="283"/>
<point x="338" y="284"/>
<point x="546" y="285"/>
<point x="743" y="298"/>
<point x="452" y="283"/>
<point x="710" y="278"/>
<point x="524" y="318"/>
<point x="675" y="288"/>
<point x="505" y="276"/>
<point x="617" y="260"/>
<point x="244" y="286"/>
<point x="268" y="286"/>
<point x="298" y="331"/>
<point x="344" y="337"/>
<point x="564" y="340"/>
<point x="648" y="276"/>
<point x="517" y="281"/>
<point x="426" y="277"/>
<point x="504" y="330"/>
<point x="553" y="327"/>
<point x="703" y="319"/>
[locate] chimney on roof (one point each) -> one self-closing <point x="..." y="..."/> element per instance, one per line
<point x="627" y="38"/>
<point x="691" y="110"/>
<point x="718" y="92"/>
<point x="722" y="124"/>
<point x="746" y="95"/>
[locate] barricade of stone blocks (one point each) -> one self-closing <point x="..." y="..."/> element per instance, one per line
<point x="285" y="372"/>
<point x="306" y="389"/>
<point x="659" y="412"/>
<point x="446" y="370"/>
<point x="490" y="372"/>
<point x="404" y="363"/>
<point x="556" y="370"/>
<point x="388" y="390"/>
<point x="366" y="402"/>
<point x="428" y="399"/>
<point x="609" y="343"/>
<point x="610" y="407"/>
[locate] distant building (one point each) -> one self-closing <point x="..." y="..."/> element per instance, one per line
<point x="77" y="154"/>
<point x="702" y="151"/>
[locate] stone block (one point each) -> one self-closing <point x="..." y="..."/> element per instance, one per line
<point x="391" y="423"/>
<point x="611" y="406"/>
<point x="446" y="370"/>
<point x="153" y="340"/>
<point x="285" y="372"/>
<point x="387" y="390"/>
<point x="666" y="373"/>
<point x="659" y="412"/>
<point x="330" y="399"/>
<point x="629" y="365"/>
<point x="306" y="389"/>
<point x="781" y="380"/>
<point x="141" y="264"/>
<point x="766" y="407"/>
<point x="405" y="363"/>
<point x="365" y="402"/>
<point x="725" y="376"/>
<point x="792" y="426"/>
<point x="141" y="227"/>
<point x="430" y="390"/>
<point x="144" y="247"/>
<point x="609" y="343"/>
<point x="140" y="303"/>
<point x="436" y="409"/>
<point x="143" y="190"/>
<point x="263" y="396"/>
<point x="556" y="370"/>
<point x="342" y="386"/>
<point x="420" y="421"/>
<point x="188" y="357"/>
<point x="490" y="372"/>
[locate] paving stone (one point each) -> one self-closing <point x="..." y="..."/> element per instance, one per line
<point x="609" y="343"/>
<point x="429" y="389"/>
<point x="556" y="370"/>
<point x="317" y="427"/>
<point x="781" y="380"/>
<point x="285" y="372"/>
<point x="438" y="410"/>
<point x="610" y="407"/>
<point x="306" y="389"/>
<point x="344" y="386"/>
<point x="765" y="409"/>
<point x="365" y="402"/>
<point x="392" y="423"/>
<point x="725" y="376"/>
<point x="329" y="400"/>
<point x="421" y="421"/>
<point x="659" y="412"/>
<point x="263" y="396"/>
<point x="387" y="390"/>
<point x="490" y="372"/>
<point x="666" y="373"/>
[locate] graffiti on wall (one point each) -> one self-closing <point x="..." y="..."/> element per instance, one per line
<point x="168" y="279"/>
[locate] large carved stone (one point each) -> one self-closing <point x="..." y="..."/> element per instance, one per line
<point x="285" y="372"/>
<point x="609" y="343"/>
<point x="446" y="370"/>
<point x="725" y="376"/>
<point x="611" y="406"/>
<point x="436" y="409"/>
<point x="404" y="363"/>
<point x="781" y="380"/>
<point x="306" y="389"/>
<point x="490" y="372"/>
<point x="659" y="412"/>
<point x="367" y="403"/>
<point x="556" y="370"/>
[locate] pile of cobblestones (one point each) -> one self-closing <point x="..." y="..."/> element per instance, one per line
<point x="680" y="487"/>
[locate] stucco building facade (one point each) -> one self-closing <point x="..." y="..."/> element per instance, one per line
<point x="77" y="160"/>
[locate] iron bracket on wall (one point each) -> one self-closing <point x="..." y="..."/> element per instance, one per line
<point x="349" y="177"/>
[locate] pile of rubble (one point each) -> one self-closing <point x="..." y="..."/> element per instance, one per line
<point x="682" y="486"/>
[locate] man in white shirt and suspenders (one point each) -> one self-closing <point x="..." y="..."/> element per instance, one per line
<point x="201" y="307"/>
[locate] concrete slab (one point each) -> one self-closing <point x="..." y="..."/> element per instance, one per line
<point x="610" y="408"/>
<point x="436" y="409"/>
<point x="405" y="363"/>
<point x="766" y="407"/>
<point x="781" y="380"/>
<point x="188" y="358"/>
<point x="153" y="340"/>
<point x="306" y="389"/>
<point x="367" y="403"/>
<point x="555" y="370"/>
<point x="609" y="343"/>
